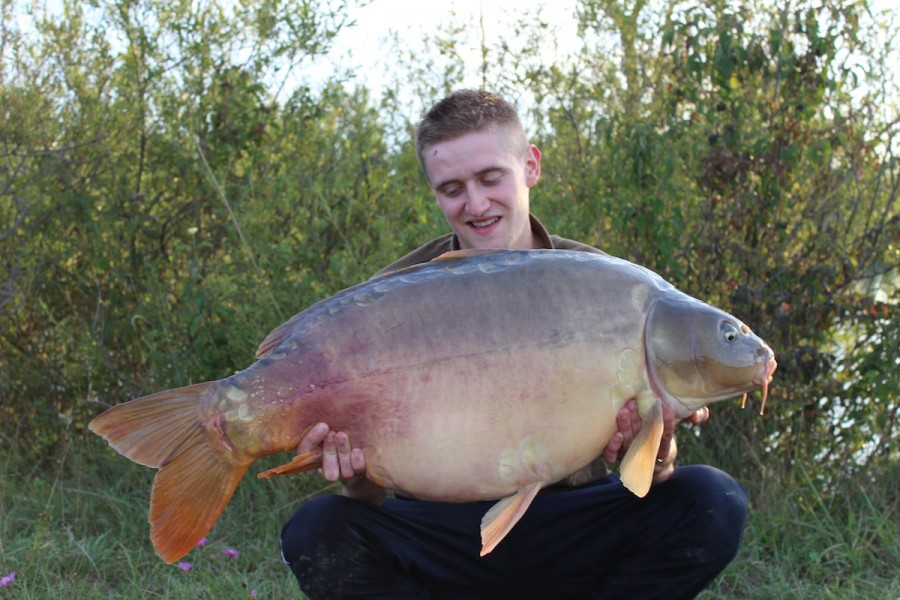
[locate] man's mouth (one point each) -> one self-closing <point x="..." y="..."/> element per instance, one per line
<point x="484" y="223"/>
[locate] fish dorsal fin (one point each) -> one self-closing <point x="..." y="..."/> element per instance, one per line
<point x="639" y="463"/>
<point x="282" y="332"/>
<point x="277" y="336"/>
<point x="499" y="520"/>
<point x="468" y="253"/>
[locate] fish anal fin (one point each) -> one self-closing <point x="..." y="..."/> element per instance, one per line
<point x="501" y="518"/>
<point x="189" y="494"/>
<point x="639" y="463"/>
<point x="301" y="463"/>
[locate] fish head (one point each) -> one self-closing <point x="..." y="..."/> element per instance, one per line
<point x="697" y="354"/>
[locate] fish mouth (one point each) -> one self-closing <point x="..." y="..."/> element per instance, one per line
<point x="763" y="380"/>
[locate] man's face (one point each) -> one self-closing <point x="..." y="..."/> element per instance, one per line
<point x="481" y="185"/>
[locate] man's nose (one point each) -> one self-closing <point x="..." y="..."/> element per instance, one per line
<point x="478" y="202"/>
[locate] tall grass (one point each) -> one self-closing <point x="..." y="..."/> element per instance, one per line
<point x="74" y="526"/>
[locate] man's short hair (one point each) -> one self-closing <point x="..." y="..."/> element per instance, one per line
<point x="466" y="111"/>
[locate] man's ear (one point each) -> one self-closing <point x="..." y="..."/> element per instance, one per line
<point x="532" y="165"/>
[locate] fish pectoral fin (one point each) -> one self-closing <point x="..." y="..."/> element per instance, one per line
<point x="639" y="462"/>
<point x="301" y="463"/>
<point x="499" y="520"/>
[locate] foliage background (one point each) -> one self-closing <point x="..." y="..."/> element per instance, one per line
<point x="172" y="187"/>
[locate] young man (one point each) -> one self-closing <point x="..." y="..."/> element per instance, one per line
<point x="586" y="537"/>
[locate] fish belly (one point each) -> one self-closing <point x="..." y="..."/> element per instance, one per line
<point x="483" y="426"/>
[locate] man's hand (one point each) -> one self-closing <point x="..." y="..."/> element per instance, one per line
<point x="341" y="462"/>
<point x="628" y="423"/>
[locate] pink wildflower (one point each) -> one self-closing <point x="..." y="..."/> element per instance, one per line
<point x="230" y="552"/>
<point x="253" y="593"/>
<point x="185" y="566"/>
<point x="202" y="542"/>
<point x="7" y="581"/>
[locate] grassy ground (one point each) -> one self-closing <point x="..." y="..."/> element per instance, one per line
<point x="803" y="543"/>
<point x="75" y="527"/>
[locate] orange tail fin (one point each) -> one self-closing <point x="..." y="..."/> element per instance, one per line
<point x="194" y="482"/>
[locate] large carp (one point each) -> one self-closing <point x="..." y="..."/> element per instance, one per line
<point x="485" y="375"/>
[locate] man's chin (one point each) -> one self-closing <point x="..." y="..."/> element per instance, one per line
<point x="485" y="239"/>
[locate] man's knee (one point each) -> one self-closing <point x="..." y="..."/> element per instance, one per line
<point x="318" y="525"/>
<point x="718" y="507"/>
<point x="709" y="485"/>
<point x="318" y="544"/>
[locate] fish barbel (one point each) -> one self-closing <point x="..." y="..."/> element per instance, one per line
<point x="480" y="375"/>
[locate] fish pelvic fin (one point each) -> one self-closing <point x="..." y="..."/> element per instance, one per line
<point x="639" y="463"/>
<point x="190" y="492"/>
<point x="301" y="463"/>
<point x="501" y="518"/>
<point x="194" y="482"/>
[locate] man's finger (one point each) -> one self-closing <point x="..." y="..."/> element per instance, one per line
<point x="313" y="439"/>
<point x="358" y="461"/>
<point x="628" y="422"/>
<point x="331" y="470"/>
<point x="699" y="415"/>
<point x="343" y="455"/>
<point x="668" y="433"/>
<point x="611" y="453"/>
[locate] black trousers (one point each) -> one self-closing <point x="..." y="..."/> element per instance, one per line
<point x="595" y="541"/>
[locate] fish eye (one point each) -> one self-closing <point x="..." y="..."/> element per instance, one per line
<point x="729" y="332"/>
